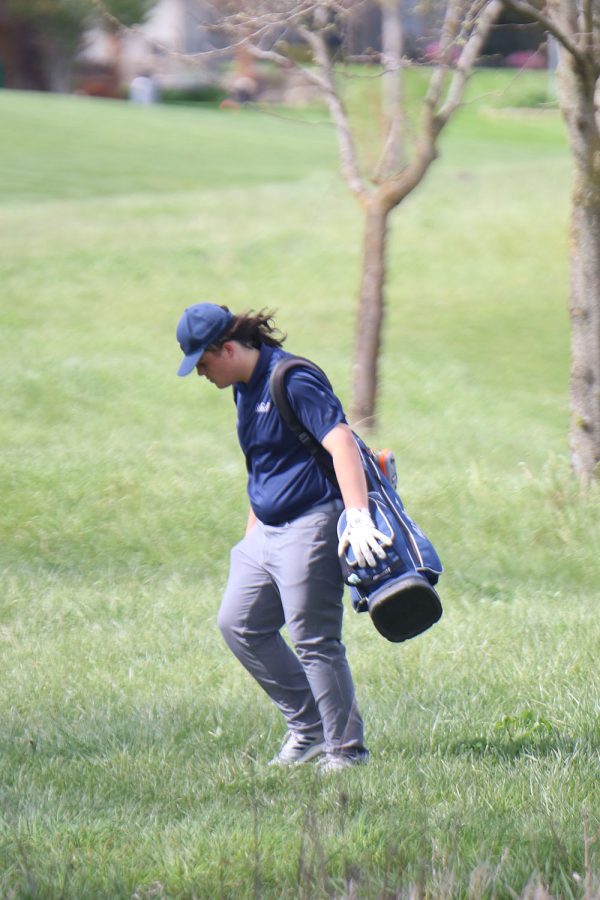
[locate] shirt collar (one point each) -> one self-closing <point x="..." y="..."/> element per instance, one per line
<point x="262" y="365"/>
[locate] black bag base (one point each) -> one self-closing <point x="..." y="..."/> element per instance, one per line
<point x="404" y="607"/>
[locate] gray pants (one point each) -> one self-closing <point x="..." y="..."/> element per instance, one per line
<point x="290" y="574"/>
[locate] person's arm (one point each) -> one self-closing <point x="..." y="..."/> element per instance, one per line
<point x="348" y="466"/>
<point x="360" y="532"/>
<point x="251" y="520"/>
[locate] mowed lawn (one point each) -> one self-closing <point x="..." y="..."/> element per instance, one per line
<point x="133" y="746"/>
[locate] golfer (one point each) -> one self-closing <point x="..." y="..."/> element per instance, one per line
<point x="286" y="571"/>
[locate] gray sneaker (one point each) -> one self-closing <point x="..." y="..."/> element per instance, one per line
<point x="337" y="762"/>
<point x="298" y="748"/>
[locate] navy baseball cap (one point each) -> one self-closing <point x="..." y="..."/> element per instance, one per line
<point x="199" y="327"/>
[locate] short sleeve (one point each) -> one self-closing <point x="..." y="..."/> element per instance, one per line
<point x="314" y="402"/>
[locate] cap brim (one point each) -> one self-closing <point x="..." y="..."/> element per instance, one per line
<point x="188" y="363"/>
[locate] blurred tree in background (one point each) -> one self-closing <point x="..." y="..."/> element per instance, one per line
<point x="39" y="38"/>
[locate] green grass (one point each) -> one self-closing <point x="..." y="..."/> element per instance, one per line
<point x="133" y="746"/>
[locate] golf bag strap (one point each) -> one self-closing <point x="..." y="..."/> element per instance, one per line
<point x="279" y="394"/>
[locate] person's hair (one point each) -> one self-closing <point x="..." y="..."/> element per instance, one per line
<point x="252" y="329"/>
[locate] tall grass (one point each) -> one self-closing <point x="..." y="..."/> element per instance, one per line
<point x="133" y="746"/>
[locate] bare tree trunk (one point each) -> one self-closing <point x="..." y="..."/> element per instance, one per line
<point x="576" y="28"/>
<point x="370" y="314"/>
<point x="577" y="102"/>
<point x="584" y="431"/>
<point x="369" y="321"/>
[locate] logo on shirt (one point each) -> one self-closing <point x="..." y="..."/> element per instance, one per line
<point x="263" y="407"/>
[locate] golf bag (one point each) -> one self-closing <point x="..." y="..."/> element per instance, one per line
<point x="398" y="591"/>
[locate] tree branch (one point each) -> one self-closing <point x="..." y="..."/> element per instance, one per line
<point x="393" y="157"/>
<point x="281" y="60"/>
<point x="467" y="60"/>
<point x="448" y="36"/>
<point x="348" y="156"/>
<point x="395" y="189"/>
<point x="587" y="25"/>
<point x="523" y="8"/>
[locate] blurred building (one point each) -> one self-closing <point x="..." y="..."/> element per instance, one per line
<point x="161" y="47"/>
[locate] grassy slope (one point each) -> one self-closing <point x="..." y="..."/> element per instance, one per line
<point x="133" y="746"/>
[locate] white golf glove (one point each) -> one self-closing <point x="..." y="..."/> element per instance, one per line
<point x="360" y="534"/>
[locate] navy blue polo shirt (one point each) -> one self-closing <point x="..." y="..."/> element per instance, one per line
<point x="284" y="481"/>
